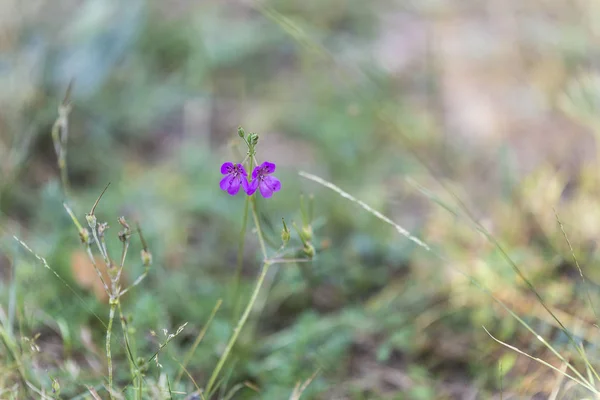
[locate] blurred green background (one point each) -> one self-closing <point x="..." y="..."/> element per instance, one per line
<point x="493" y="102"/>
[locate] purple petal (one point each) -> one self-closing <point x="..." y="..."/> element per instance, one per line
<point x="245" y="184"/>
<point x="241" y="169"/>
<point x="269" y="185"/>
<point x="273" y="183"/>
<point x="252" y="186"/>
<point x="265" y="190"/>
<point x="268" y="168"/>
<point x="226" y="168"/>
<point x="256" y="171"/>
<point x="234" y="186"/>
<point x="226" y="182"/>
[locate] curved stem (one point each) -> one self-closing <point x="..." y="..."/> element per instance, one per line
<point x="249" y="306"/>
<point x="238" y="328"/>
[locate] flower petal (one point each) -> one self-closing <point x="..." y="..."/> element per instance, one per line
<point x="245" y="184"/>
<point x="234" y="185"/>
<point x="226" y="168"/>
<point x="252" y="186"/>
<point x="265" y="189"/>
<point x="268" y="168"/>
<point x="273" y="183"/>
<point x="241" y="169"/>
<point x="257" y="169"/>
<point x="226" y="182"/>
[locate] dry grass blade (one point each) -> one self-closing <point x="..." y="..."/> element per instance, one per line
<point x="199" y="338"/>
<point x="473" y="280"/>
<point x="585" y="283"/>
<point x="98" y="199"/>
<point x="365" y="206"/>
<point x="45" y="264"/>
<point x="515" y="267"/>
<point x="198" y="390"/>
<point x="539" y="360"/>
<point x="300" y="388"/>
<point x="94" y="393"/>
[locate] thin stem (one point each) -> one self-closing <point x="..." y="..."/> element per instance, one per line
<point x="111" y="316"/>
<point x="134" y="284"/>
<point x="131" y="358"/>
<point x="584" y="281"/>
<point x="199" y="338"/>
<point x="123" y="255"/>
<point x="249" y="306"/>
<point x="583" y="383"/>
<point x="100" y="249"/>
<point x="98" y="199"/>
<point x="288" y="260"/>
<point x="93" y="261"/>
<point x="261" y="239"/>
<point x="238" y="328"/>
<point x="240" y="258"/>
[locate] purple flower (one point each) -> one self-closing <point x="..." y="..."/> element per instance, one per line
<point x="262" y="181"/>
<point x="235" y="175"/>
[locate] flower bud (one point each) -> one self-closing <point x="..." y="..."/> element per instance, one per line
<point x="84" y="235"/>
<point x="306" y="233"/>
<point x="123" y="236"/>
<point x="146" y="258"/>
<point x="253" y="139"/>
<point x="241" y="132"/>
<point x="124" y="223"/>
<point x="285" y="233"/>
<point x="55" y="387"/>
<point x="101" y="228"/>
<point x="309" y="250"/>
<point x="91" y="220"/>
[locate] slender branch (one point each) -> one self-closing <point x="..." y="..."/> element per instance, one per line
<point x="93" y="261"/>
<point x="134" y="284"/>
<point x="288" y="260"/>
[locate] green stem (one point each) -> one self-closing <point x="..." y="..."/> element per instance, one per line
<point x="93" y="261"/>
<point x="240" y="255"/>
<point x="240" y="258"/>
<point x="134" y="284"/>
<point x="108" y="351"/>
<point x="261" y="239"/>
<point x="237" y="329"/>
<point x="129" y="350"/>
<point x="199" y="338"/>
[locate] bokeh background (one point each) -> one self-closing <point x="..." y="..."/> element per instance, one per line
<point x="433" y="112"/>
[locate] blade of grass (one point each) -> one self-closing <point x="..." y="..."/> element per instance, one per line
<point x="366" y="207"/>
<point x="233" y="391"/>
<point x="93" y="393"/>
<point x="539" y="360"/>
<point x="443" y="258"/>
<point x="199" y="338"/>
<point x="299" y="389"/>
<point x="583" y="279"/>
<point x="169" y="387"/>
<point x="481" y="229"/>
<point x="183" y="368"/>
<point x="45" y="264"/>
<point x="381" y="111"/>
